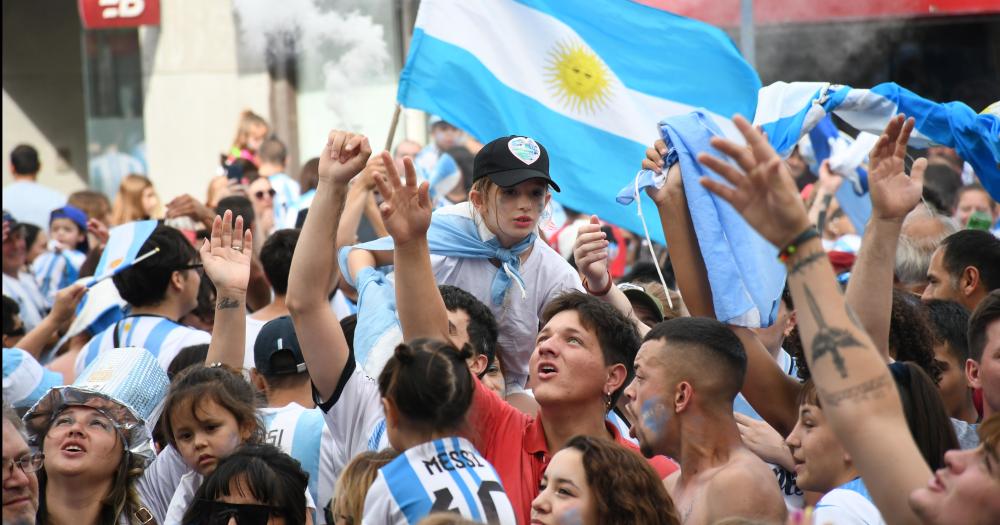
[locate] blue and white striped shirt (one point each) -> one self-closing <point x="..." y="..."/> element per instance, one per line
<point x="25" y="381"/>
<point x="57" y="270"/>
<point x="302" y="433"/>
<point x="444" y="475"/>
<point x="162" y="337"/>
<point x="286" y="192"/>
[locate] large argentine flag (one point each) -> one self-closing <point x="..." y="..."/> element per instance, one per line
<point x="787" y="111"/>
<point x="589" y="80"/>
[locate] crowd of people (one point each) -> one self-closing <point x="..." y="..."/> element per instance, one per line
<point x="371" y="341"/>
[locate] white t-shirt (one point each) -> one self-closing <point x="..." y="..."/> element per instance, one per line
<point x="32" y="202"/>
<point x="24" y="291"/>
<point x="302" y="434"/>
<point x="444" y="475"/>
<point x="184" y="495"/>
<point x="848" y="504"/>
<point x="546" y="275"/>
<point x="354" y="416"/>
<point x="253" y="328"/>
<point x="162" y="337"/>
<point x="160" y="480"/>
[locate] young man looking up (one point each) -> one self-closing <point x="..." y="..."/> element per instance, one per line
<point x="687" y="373"/>
<point x="964" y="268"/>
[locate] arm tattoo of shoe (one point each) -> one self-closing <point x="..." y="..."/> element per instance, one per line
<point x="829" y="339"/>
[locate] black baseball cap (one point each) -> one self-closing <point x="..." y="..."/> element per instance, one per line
<point x="276" y="350"/>
<point x="511" y="160"/>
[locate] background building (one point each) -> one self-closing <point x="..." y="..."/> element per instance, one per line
<point x="156" y="86"/>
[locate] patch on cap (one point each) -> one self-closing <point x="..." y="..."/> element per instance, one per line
<point x="524" y="148"/>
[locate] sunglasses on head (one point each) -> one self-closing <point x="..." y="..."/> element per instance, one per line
<point x="259" y="195"/>
<point x="219" y="513"/>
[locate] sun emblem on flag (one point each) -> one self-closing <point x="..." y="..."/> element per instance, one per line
<point x="578" y="77"/>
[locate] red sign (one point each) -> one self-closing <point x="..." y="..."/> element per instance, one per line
<point x="103" y="14"/>
<point x="726" y="13"/>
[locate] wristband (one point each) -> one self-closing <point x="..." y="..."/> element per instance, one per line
<point x="600" y="293"/>
<point x="791" y="248"/>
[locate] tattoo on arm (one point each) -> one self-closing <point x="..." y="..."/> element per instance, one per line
<point x="821" y="218"/>
<point x="829" y="339"/>
<point x="226" y="303"/>
<point x="801" y="264"/>
<point x="871" y="389"/>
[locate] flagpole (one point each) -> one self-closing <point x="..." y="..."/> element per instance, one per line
<point x="747" y="43"/>
<point x="392" y="127"/>
<point x="112" y="273"/>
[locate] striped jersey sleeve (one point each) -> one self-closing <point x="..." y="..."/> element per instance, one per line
<point x="25" y="381"/>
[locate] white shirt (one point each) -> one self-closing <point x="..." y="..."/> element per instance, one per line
<point x="354" y="416"/>
<point x="301" y="433"/>
<point x="848" y="504"/>
<point x="160" y="336"/>
<point x="253" y="329"/>
<point x="24" y="291"/>
<point x="31" y="202"/>
<point x="444" y="475"/>
<point x="157" y="484"/>
<point x="546" y="275"/>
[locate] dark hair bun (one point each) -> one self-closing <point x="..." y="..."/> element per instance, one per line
<point x="405" y="354"/>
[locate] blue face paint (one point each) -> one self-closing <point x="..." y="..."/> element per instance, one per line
<point x="653" y="419"/>
<point x="571" y="517"/>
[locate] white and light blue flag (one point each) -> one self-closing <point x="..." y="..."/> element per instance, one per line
<point x="588" y="80"/>
<point x="787" y="111"/>
<point x="122" y="249"/>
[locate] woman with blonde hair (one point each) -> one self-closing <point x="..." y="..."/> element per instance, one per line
<point x="136" y="200"/>
<point x="348" y="504"/>
<point x="251" y="131"/>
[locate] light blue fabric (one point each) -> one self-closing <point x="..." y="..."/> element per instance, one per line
<point x="699" y="67"/>
<point x="453" y="233"/>
<point x="743" y="269"/>
<point x="788" y="111"/>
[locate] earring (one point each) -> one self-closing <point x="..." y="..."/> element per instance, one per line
<point x="607" y="401"/>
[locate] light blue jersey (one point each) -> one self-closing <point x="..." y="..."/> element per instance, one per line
<point x="301" y="433"/>
<point x="57" y="270"/>
<point x="25" y="381"/>
<point x="162" y="337"/>
<point x="444" y="475"/>
<point x="286" y="192"/>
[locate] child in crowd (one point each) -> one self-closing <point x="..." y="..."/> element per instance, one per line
<point x="490" y="246"/>
<point x="822" y="465"/>
<point x="251" y="131"/>
<point x="348" y="503"/>
<point x="257" y="484"/>
<point x="426" y="390"/>
<point x="136" y="201"/>
<point x="59" y="266"/>
<point x="209" y="412"/>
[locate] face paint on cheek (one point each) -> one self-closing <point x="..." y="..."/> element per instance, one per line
<point x="653" y="417"/>
<point x="571" y="516"/>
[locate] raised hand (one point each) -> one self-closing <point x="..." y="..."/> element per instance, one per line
<point x="829" y="181"/>
<point x="591" y="254"/>
<point x="406" y="207"/>
<point x="226" y="255"/>
<point x="894" y="194"/>
<point x="762" y="190"/>
<point x="187" y="206"/>
<point x="99" y="230"/>
<point x="654" y="156"/>
<point x="64" y="306"/>
<point x="343" y="157"/>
